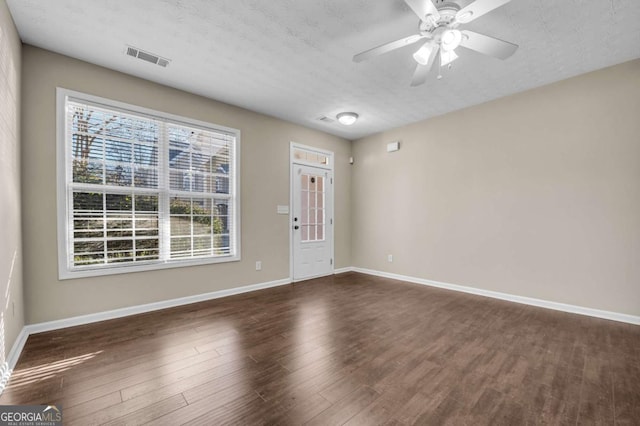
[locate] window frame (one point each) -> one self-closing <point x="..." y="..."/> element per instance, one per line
<point x="64" y="198"/>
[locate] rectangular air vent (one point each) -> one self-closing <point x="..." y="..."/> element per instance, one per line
<point x="326" y="119"/>
<point x="146" y="56"/>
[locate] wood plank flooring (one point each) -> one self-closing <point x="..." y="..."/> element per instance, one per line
<point x="349" y="349"/>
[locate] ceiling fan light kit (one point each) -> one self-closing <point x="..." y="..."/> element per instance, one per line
<point x="347" y="118"/>
<point x="439" y="27"/>
<point x="447" y="56"/>
<point x="423" y="54"/>
<point x="450" y="40"/>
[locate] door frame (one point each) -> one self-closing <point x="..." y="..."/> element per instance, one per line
<point x="294" y="146"/>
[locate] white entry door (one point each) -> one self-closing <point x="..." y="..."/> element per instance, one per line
<point x="312" y="221"/>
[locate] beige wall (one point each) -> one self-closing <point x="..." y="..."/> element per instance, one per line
<point x="536" y="194"/>
<point x="264" y="180"/>
<point x="11" y="301"/>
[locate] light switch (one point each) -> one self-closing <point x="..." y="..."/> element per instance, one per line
<point x="283" y="209"/>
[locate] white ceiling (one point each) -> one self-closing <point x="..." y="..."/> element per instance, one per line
<point x="292" y="58"/>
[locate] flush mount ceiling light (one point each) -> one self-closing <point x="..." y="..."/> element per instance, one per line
<point x="347" y="118"/>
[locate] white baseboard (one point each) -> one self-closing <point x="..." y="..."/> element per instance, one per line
<point x="342" y="270"/>
<point x="16" y="349"/>
<point x="12" y="358"/>
<point x="614" y="316"/>
<point x="149" y="307"/>
<point x="27" y="330"/>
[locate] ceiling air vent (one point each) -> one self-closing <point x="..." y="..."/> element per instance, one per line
<point x="325" y="119"/>
<point x="146" y="56"/>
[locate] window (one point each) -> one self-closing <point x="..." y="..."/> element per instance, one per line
<point x="141" y="190"/>
<point x="310" y="157"/>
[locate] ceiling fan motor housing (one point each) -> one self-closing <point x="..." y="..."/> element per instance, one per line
<point x="448" y="11"/>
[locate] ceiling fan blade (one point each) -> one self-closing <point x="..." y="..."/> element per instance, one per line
<point x="477" y="9"/>
<point x="420" y="75"/>
<point x="423" y="8"/>
<point x="388" y="47"/>
<point x="487" y="45"/>
<point x="422" y="71"/>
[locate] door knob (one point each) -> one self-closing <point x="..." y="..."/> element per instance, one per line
<point x="296" y="227"/>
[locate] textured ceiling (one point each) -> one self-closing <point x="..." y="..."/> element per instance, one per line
<point x="292" y="58"/>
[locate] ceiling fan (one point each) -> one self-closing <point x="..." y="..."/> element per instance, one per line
<point x="439" y="27"/>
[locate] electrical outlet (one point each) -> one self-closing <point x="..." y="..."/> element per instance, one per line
<point x="258" y="265"/>
<point x="390" y="258"/>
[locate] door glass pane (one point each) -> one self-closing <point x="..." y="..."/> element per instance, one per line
<point x="312" y="204"/>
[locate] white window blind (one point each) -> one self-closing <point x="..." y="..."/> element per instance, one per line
<point x="143" y="189"/>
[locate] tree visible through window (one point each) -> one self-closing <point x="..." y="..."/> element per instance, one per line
<point x="144" y="189"/>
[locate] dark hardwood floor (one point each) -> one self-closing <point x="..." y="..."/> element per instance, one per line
<point x="350" y="349"/>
